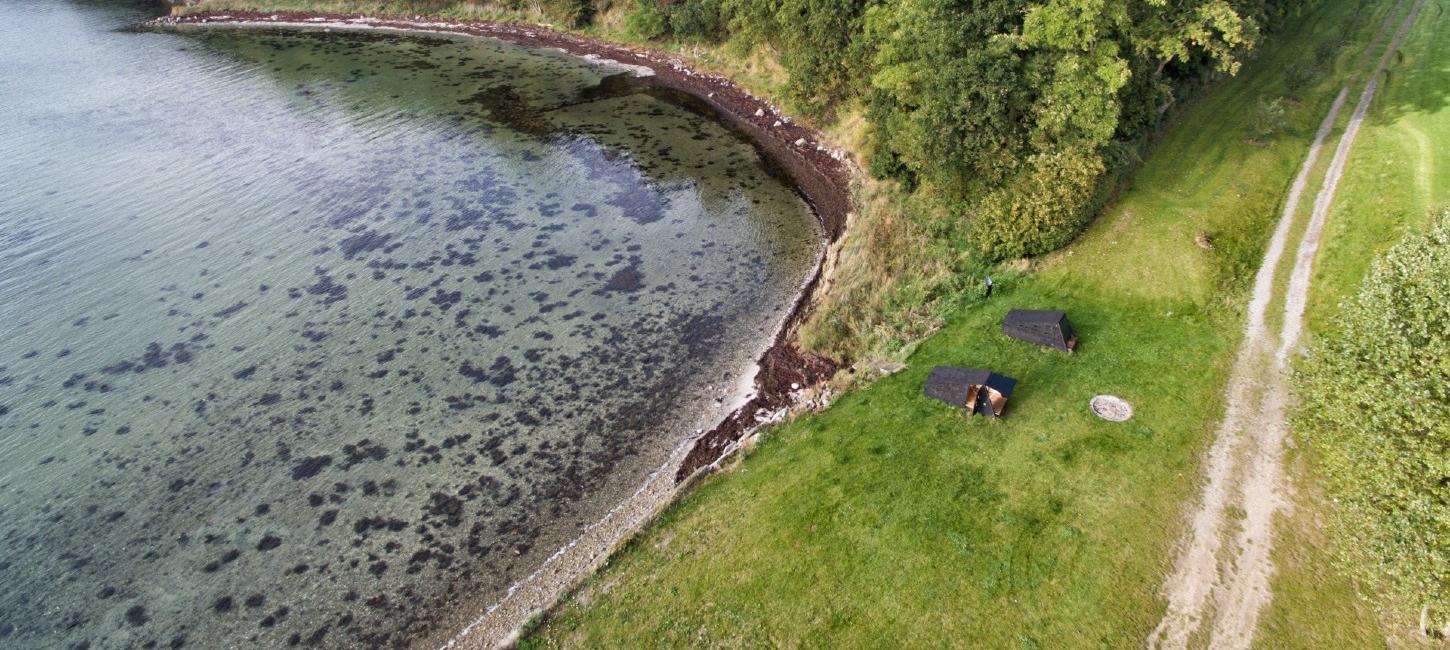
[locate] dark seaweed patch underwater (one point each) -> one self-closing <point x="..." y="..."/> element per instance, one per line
<point x="326" y="339"/>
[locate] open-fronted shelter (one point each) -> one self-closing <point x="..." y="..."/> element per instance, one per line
<point x="980" y="391"/>
<point x="1046" y="328"/>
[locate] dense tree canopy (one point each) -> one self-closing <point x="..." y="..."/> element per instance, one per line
<point x="1009" y="110"/>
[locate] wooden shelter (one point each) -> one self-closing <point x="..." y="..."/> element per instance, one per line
<point x="1045" y="328"/>
<point x="982" y="392"/>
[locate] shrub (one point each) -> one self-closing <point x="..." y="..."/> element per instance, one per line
<point x="571" y="13"/>
<point x="648" y="21"/>
<point x="698" y="19"/>
<point x="1040" y="210"/>
<point x="1327" y="52"/>
<point x="819" y="43"/>
<point x="1299" y="76"/>
<point x="1375" y="397"/>
<point x="886" y="165"/>
<point x="1269" y="118"/>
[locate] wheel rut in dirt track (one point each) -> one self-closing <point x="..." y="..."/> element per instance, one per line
<point x="1243" y="469"/>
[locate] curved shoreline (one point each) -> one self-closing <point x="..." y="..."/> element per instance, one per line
<point x="782" y="371"/>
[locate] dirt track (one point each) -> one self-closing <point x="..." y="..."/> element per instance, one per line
<point x="1244" y="468"/>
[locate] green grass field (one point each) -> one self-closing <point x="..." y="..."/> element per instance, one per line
<point x="892" y="520"/>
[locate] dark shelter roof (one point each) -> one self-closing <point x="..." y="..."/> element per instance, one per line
<point x="1042" y="327"/>
<point x="959" y="387"/>
<point x="1035" y="316"/>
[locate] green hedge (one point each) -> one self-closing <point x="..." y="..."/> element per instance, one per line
<point x="1376" y="407"/>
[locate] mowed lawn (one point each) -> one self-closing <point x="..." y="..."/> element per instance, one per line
<point x="892" y="520"/>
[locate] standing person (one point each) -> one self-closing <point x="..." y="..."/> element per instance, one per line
<point x="989" y="286"/>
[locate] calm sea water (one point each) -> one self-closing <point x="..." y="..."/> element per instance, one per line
<point x="326" y="339"/>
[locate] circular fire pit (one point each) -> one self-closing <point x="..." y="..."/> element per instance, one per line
<point x="1111" y="408"/>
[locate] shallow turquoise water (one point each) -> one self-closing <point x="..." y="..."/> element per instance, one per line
<point x="327" y="339"/>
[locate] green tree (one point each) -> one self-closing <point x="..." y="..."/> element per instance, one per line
<point x="948" y="97"/>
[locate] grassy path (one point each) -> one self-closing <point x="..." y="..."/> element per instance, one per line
<point x="1298" y="291"/>
<point x="1399" y="174"/>
<point x="1250" y="445"/>
<point x="1196" y="572"/>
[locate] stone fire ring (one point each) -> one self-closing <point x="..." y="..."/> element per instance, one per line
<point x="1111" y="408"/>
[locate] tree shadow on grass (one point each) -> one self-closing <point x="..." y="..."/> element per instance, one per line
<point x="1418" y="80"/>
